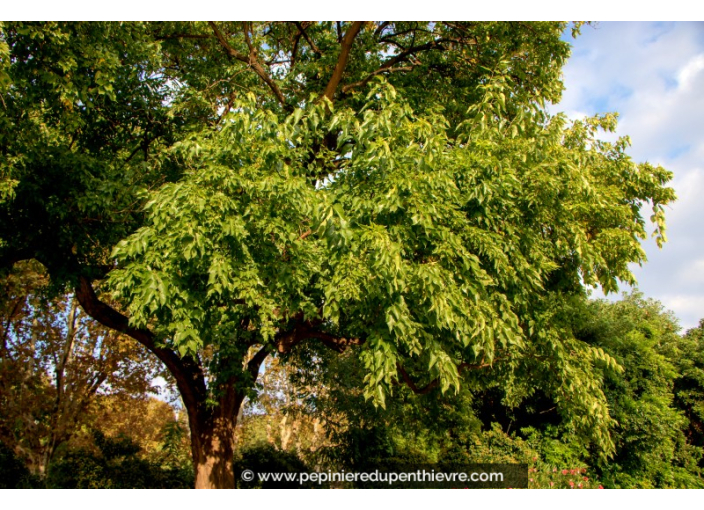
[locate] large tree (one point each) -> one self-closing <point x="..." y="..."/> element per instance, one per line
<point x="249" y="188"/>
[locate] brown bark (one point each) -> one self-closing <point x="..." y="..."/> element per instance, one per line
<point x="213" y="433"/>
<point x="252" y="59"/>
<point x="212" y="447"/>
<point x="346" y="43"/>
<point x="189" y="376"/>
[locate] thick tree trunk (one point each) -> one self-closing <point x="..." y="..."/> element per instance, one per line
<point x="213" y="451"/>
<point x="213" y="441"/>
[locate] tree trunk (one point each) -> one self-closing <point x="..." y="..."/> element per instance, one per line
<point x="213" y="441"/>
<point x="213" y="451"/>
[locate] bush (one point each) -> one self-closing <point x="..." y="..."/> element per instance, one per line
<point x="115" y="465"/>
<point x="265" y="458"/>
<point x="13" y="472"/>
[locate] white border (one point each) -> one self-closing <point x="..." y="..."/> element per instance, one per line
<point x="132" y="10"/>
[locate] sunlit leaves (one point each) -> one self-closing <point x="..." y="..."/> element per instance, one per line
<point x="434" y="211"/>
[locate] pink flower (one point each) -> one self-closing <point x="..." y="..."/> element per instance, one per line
<point x="601" y="486"/>
<point x="564" y="471"/>
<point x="551" y="484"/>
<point x="571" y="484"/>
<point x="586" y="479"/>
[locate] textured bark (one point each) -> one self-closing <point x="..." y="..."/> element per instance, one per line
<point x="346" y="44"/>
<point x="213" y="448"/>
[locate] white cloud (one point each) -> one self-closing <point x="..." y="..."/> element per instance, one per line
<point x="692" y="272"/>
<point x="653" y="75"/>
<point x="684" y="306"/>
<point x="690" y="71"/>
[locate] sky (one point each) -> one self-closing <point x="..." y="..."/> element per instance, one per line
<point x="652" y="74"/>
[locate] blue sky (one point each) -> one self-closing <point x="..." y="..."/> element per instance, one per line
<point x="652" y="74"/>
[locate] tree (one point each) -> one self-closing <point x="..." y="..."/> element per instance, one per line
<point x="651" y="447"/>
<point x="689" y="386"/>
<point x="55" y="363"/>
<point x="250" y="188"/>
<point x="655" y="401"/>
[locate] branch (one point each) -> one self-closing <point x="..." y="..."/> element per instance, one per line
<point x="381" y="28"/>
<point x="256" y="361"/>
<point x="347" y="41"/>
<point x="60" y="369"/>
<point x="304" y="330"/>
<point x="228" y="107"/>
<point x="294" y="50"/>
<point x="188" y="374"/>
<point x="7" y="260"/>
<point x="251" y="60"/>
<point x="409" y="382"/>
<point x="8" y="322"/>
<point x="388" y="65"/>
<point x="232" y="52"/>
<point x="310" y="42"/>
<point x="285" y="341"/>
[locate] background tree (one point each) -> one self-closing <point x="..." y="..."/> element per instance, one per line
<point x="277" y="414"/>
<point x="689" y="386"/>
<point x="396" y="185"/>
<point x="654" y="443"/>
<point x="58" y="367"/>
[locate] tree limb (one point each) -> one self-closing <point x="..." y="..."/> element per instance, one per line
<point x="388" y="65"/>
<point x="187" y="372"/>
<point x="256" y="361"/>
<point x="8" y="323"/>
<point x="305" y="330"/>
<point x="251" y="60"/>
<point x="409" y="382"/>
<point x="310" y="42"/>
<point x="346" y="43"/>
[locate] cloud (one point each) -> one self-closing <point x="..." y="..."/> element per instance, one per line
<point x="653" y="75"/>
<point x="690" y="72"/>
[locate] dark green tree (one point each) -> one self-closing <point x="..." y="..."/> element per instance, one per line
<point x="689" y="386"/>
<point x="652" y="447"/>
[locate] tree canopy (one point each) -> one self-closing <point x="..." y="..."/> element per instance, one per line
<point x="252" y="188"/>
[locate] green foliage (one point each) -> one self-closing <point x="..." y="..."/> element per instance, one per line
<point x="653" y="430"/>
<point x="115" y="465"/>
<point x="79" y="100"/>
<point x="651" y="447"/>
<point x="689" y="386"/>
<point x="265" y="458"/>
<point x="448" y="266"/>
<point x="267" y="184"/>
